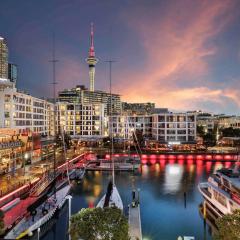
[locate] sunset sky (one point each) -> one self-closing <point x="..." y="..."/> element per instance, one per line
<point x="182" y="54"/>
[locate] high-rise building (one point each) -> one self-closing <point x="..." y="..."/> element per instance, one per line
<point x="91" y="60"/>
<point x="12" y="72"/>
<point x="3" y="59"/>
<point x="82" y="95"/>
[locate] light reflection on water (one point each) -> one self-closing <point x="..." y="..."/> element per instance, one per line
<point x="164" y="211"/>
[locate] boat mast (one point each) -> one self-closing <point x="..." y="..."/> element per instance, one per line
<point x="111" y="122"/>
<point x="54" y="61"/>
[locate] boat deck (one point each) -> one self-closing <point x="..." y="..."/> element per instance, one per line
<point x="135" y="229"/>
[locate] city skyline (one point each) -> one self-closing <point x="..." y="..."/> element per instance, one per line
<point x="180" y="58"/>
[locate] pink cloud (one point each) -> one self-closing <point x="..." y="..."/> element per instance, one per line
<point x="177" y="46"/>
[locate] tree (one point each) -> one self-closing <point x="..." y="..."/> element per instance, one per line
<point x="228" y="227"/>
<point x="99" y="223"/>
<point x="2" y="230"/>
<point x="230" y="132"/>
<point x="67" y="140"/>
<point x="209" y="139"/>
<point x="200" y="130"/>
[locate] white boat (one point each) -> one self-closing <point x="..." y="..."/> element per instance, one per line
<point x="222" y="191"/>
<point x="78" y="174"/>
<point x="111" y="198"/>
<point x="42" y="215"/>
<point x="106" y="165"/>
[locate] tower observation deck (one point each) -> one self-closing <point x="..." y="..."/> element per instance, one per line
<point x="92" y="61"/>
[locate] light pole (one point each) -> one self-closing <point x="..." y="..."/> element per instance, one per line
<point x="69" y="197"/>
<point x="38" y="233"/>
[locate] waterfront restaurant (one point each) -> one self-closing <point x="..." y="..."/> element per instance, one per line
<point x="10" y="151"/>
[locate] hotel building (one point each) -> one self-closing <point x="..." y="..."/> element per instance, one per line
<point x="82" y="95"/>
<point x="23" y="112"/>
<point x="124" y="125"/>
<point x="174" y="127"/>
<point x="228" y="121"/>
<point x="82" y="120"/>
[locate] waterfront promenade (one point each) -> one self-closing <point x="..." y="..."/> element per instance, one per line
<point x="9" y="183"/>
<point x="135" y="229"/>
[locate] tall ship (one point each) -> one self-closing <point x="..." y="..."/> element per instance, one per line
<point x="222" y="191"/>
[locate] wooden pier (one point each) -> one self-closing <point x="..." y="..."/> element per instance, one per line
<point x="135" y="228"/>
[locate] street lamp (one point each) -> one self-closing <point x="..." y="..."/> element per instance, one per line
<point x="69" y="197"/>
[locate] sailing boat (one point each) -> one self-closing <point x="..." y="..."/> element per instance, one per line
<point x="112" y="197"/>
<point x="40" y="214"/>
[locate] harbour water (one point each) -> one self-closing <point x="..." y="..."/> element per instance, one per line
<point x="166" y="211"/>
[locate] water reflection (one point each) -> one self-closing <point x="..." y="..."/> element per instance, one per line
<point x="168" y="196"/>
<point x="173" y="177"/>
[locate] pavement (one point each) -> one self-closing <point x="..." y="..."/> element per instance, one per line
<point x="9" y="183"/>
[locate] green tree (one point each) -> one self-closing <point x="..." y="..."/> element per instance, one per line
<point x="200" y="130"/>
<point x="209" y="139"/>
<point x="99" y="223"/>
<point x="230" y="132"/>
<point x="2" y="230"/>
<point x="67" y="140"/>
<point x="229" y="227"/>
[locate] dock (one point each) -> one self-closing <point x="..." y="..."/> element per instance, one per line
<point x="134" y="220"/>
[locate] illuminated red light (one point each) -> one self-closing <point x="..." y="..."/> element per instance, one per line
<point x="181" y="161"/>
<point x="189" y="156"/>
<point x="144" y="161"/>
<point x="171" y="161"/>
<point x="218" y="157"/>
<point x="200" y="157"/>
<point x="208" y="166"/>
<point x="227" y="164"/>
<point x="227" y="157"/>
<point x="209" y="157"/>
<point x="180" y="156"/>
<point x="189" y="161"/>
<point x="162" y="156"/>
<point x="199" y="163"/>
<point x="152" y="161"/>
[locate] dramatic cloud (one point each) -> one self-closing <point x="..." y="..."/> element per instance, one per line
<point x="178" y="46"/>
<point x="180" y="54"/>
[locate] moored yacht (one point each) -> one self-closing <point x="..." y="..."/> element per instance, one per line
<point x="222" y="191"/>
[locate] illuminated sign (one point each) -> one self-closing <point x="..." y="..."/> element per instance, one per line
<point x="174" y="143"/>
<point x="14" y="144"/>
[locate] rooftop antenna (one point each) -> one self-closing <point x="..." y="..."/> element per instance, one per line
<point x="54" y="83"/>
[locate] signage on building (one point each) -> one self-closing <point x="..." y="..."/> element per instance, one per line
<point x="6" y="145"/>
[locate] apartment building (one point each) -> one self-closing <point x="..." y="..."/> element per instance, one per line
<point x="80" y="94"/>
<point x="24" y="112"/>
<point x="229" y="121"/>
<point x="123" y="126"/>
<point x="174" y="127"/>
<point x="82" y="120"/>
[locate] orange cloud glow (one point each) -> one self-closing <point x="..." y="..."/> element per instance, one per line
<point x="178" y="46"/>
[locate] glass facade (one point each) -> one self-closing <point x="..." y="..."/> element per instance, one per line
<point x="3" y="59"/>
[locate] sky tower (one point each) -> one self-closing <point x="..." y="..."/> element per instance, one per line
<point x="91" y="60"/>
